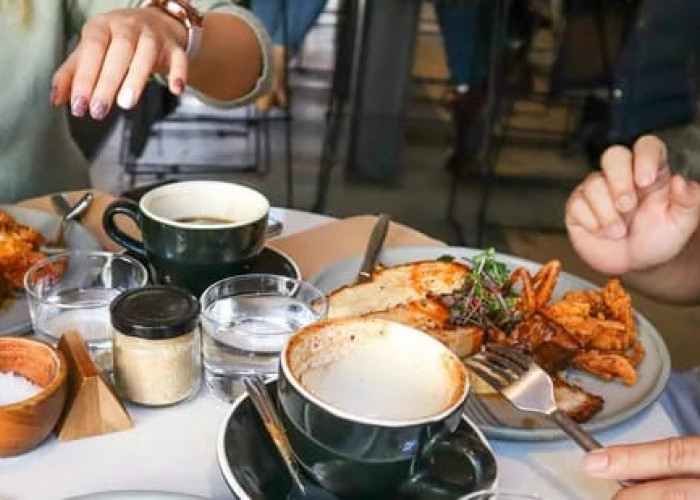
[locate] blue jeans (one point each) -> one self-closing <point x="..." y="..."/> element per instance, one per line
<point x="464" y="28"/>
<point x="301" y="16"/>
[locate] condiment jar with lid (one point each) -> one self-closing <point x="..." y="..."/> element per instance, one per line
<point x="156" y="345"/>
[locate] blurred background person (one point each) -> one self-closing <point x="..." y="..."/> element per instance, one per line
<point x="301" y="16"/>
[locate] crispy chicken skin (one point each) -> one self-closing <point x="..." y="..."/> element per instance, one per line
<point x="18" y="252"/>
<point x="578" y="404"/>
<point x="532" y="332"/>
<point x="606" y="365"/>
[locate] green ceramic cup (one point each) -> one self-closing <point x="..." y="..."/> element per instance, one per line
<point x="194" y="233"/>
<point x="369" y="404"/>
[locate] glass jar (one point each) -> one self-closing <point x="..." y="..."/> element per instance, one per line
<point x="156" y="345"/>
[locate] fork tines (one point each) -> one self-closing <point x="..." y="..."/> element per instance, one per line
<point x="499" y="366"/>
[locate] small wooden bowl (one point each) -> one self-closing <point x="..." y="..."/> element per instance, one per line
<point x="25" y="424"/>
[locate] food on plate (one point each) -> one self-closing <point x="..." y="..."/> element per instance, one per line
<point x="408" y="294"/>
<point x="466" y="304"/>
<point x="392" y="286"/>
<point x="19" y="245"/>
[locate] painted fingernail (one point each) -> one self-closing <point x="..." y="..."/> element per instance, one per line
<point x="52" y="95"/>
<point x="625" y="202"/>
<point x="98" y="109"/>
<point x="596" y="461"/>
<point x="617" y="230"/>
<point x="79" y="106"/>
<point x="179" y="85"/>
<point x="125" y="99"/>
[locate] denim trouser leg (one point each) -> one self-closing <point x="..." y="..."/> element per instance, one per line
<point x="301" y="16"/>
<point x="462" y="35"/>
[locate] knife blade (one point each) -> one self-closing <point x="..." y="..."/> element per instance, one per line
<point x="374" y="246"/>
<point x="60" y="203"/>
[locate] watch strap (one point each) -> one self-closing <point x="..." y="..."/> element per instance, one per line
<point x="187" y="15"/>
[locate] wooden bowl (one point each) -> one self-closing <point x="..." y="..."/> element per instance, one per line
<point x="25" y="424"/>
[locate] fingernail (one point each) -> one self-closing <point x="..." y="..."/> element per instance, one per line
<point x="52" y="95"/>
<point x="645" y="180"/>
<point x="179" y="85"/>
<point x="617" y="230"/>
<point x="79" y="106"/>
<point x="125" y="99"/>
<point x="625" y="202"/>
<point x="98" y="109"/>
<point x="596" y="461"/>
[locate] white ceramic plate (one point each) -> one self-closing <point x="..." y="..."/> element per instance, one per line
<point x="14" y="314"/>
<point x="497" y="418"/>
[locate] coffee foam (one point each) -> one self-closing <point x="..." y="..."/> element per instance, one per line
<point x="379" y="370"/>
<point x="223" y="200"/>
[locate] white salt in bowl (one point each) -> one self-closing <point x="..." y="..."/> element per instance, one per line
<point x="26" y="423"/>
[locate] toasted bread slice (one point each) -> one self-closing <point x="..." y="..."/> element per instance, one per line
<point x="433" y="317"/>
<point x="397" y="285"/>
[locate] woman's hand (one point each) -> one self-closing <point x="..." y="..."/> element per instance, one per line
<point x="666" y="469"/>
<point x="634" y="214"/>
<point x="117" y="54"/>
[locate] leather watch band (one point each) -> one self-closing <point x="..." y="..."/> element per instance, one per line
<point x="185" y="13"/>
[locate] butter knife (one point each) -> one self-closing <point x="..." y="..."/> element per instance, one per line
<point x="374" y="246"/>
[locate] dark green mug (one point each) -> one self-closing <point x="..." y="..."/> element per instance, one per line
<point x="368" y="404"/>
<point x="194" y="233"/>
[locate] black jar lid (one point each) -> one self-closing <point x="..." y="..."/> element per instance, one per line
<point x="155" y="312"/>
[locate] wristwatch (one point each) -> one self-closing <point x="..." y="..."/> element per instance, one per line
<point x="186" y="14"/>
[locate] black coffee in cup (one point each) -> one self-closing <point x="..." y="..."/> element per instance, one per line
<point x="194" y="232"/>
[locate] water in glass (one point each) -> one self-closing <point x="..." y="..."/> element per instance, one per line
<point x="244" y="334"/>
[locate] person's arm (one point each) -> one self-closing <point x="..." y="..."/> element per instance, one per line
<point x="231" y="50"/>
<point x="676" y="281"/>
<point x="119" y="50"/>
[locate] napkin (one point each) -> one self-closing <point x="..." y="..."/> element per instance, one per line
<point x="316" y="248"/>
<point x="92" y="219"/>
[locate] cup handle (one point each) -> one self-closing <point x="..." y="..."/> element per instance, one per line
<point x="131" y="210"/>
<point x="420" y="482"/>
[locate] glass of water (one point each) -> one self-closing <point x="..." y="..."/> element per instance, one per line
<point x="73" y="291"/>
<point x="246" y="321"/>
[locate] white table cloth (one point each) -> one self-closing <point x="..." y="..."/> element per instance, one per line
<point x="174" y="449"/>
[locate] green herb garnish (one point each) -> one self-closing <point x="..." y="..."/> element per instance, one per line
<point x="486" y="298"/>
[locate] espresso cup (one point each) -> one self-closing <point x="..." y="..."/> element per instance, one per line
<point x="368" y="403"/>
<point x="194" y="233"/>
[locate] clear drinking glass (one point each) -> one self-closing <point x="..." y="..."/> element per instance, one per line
<point x="73" y="291"/>
<point x="246" y="321"/>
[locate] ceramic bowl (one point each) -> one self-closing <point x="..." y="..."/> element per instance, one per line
<point x="25" y="424"/>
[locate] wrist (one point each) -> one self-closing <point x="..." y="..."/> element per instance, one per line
<point x="188" y="20"/>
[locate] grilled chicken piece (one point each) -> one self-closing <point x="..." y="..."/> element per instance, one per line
<point x="578" y="404"/>
<point x="433" y="317"/>
<point x="397" y="285"/>
<point x="532" y="332"/>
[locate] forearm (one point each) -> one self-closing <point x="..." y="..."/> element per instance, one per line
<point x="676" y="281"/>
<point x="230" y="60"/>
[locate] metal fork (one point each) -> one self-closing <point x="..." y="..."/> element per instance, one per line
<point x="527" y="386"/>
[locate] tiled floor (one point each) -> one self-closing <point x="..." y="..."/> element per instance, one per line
<point x="420" y="199"/>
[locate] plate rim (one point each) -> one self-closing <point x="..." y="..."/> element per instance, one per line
<point x="24" y="327"/>
<point x="553" y="434"/>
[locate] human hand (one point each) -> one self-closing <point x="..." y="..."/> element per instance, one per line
<point x="634" y="214"/>
<point x="669" y="468"/>
<point x="117" y="53"/>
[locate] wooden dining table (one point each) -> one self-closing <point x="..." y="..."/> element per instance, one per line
<point x="173" y="449"/>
